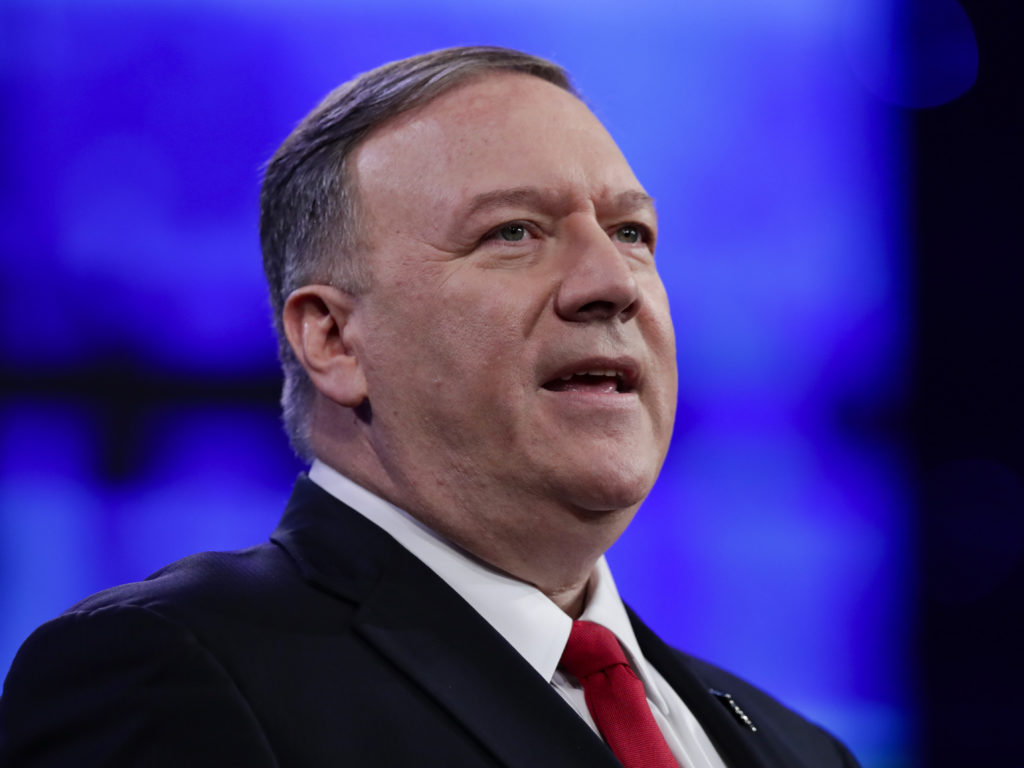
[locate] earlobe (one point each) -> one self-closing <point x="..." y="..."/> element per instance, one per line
<point x="318" y="321"/>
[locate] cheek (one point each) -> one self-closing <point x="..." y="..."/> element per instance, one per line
<point x="484" y="317"/>
<point x="481" y="345"/>
<point x="458" y="337"/>
<point x="660" y="336"/>
<point x="661" y="329"/>
<point x="457" y="349"/>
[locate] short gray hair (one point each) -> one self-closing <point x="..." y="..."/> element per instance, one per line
<point x="309" y="225"/>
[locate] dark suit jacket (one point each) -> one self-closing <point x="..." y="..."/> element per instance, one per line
<point x="331" y="646"/>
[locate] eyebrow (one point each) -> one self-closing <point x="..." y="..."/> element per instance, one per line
<point x="534" y="197"/>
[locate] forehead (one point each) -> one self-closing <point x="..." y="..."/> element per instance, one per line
<point x="497" y="131"/>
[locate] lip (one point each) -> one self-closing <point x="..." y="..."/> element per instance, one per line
<point x="627" y="367"/>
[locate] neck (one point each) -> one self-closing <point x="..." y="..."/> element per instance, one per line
<point x="572" y="601"/>
<point x="544" y="542"/>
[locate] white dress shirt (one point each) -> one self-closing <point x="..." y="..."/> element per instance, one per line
<point x="530" y="622"/>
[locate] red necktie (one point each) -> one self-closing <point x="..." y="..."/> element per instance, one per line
<point x="615" y="697"/>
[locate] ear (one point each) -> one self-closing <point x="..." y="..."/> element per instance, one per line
<point x="317" y="320"/>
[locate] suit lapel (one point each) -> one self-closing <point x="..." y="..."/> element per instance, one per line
<point x="435" y="638"/>
<point x="442" y="644"/>
<point x="737" y="744"/>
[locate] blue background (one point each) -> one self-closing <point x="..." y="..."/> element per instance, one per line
<point x="139" y="421"/>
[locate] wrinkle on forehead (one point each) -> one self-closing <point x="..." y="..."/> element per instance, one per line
<point x="627" y="201"/>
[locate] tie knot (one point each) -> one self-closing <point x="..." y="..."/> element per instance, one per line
<point x="591" y="648"/>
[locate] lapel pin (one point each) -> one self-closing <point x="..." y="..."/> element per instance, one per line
<point x="730" y="703"/>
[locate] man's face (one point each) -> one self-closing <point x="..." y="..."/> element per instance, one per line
<point x="516" y="340"/>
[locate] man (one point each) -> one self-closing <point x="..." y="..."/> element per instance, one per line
<point x="479" y="360"/>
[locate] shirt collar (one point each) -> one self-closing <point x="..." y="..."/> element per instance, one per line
<point x="604" y="607"/>
<point x="530" y="622"/>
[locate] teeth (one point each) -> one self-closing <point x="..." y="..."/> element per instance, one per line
<point x="617" y="374"/>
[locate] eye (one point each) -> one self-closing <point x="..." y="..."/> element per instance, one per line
<point x="512" y="232"/>
<point x="631" y="233"/>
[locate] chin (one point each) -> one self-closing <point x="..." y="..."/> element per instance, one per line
<point x="612" y="490"/>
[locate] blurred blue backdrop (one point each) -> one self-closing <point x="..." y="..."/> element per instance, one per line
<point x="138" y="415"/>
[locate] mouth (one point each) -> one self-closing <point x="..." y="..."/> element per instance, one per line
<point x="602" y="379"/>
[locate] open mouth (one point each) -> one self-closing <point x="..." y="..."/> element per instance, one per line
<point x="608" y="382"/>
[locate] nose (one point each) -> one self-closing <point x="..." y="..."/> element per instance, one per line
<point x="598" y="282"/>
